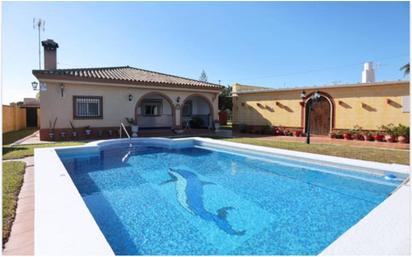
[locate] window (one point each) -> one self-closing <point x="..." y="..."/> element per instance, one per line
<point x="187" y="109"/>
<point x="152" y="107"/>
<point x="88" y="107"/>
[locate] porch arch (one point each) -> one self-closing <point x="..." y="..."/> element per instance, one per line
<point x="156" y="93"/>
<point x="332" y="107"/>
<point x="209" y="103"/>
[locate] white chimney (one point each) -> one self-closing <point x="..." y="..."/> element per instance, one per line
<point x="368" y="74"/>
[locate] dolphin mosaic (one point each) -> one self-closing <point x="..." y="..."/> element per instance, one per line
<point x="189" y="190"/>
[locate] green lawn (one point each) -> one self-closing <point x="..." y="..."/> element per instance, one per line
<point x="369" y="154"/>
<point x="13" y="173"/>
<point x="11" y="137"/>
<point x="20" y="151"/>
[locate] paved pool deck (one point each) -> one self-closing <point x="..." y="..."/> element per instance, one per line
<point x="21" y="240"/>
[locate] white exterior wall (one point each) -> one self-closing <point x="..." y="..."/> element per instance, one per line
<point x="116" y="105"/>
<point x="200" y="106"/>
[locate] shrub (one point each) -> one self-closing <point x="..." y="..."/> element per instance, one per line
<point x="401" y="130"/>
<point x="242" y="128"/>
<point x="389" y="129"/>
<point x="196" y="122"/>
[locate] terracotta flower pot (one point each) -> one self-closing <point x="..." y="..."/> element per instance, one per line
<point x="368" y="137"/>
<point x="389" y="138"/>
<point x="402" y="139"/>
<point x="379" y="137"/>
<point x="297" y="133"/>
<point x="332" y="135"/>
<point x="88" y="132"/>
<point x="347" y="136"/>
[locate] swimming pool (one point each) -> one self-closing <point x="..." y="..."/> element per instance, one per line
<point x="199" y="198"/>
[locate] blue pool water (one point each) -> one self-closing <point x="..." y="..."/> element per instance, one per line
<point x="155" y="200"/>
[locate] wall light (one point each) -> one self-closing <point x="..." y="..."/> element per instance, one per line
<point x="34" y="85"/>
<point x="130" y="97"/>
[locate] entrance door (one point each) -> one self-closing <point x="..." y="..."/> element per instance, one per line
<point x="31" y="117"/>
<point x="320" y="117"/>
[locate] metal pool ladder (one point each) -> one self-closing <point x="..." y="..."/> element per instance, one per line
<point x="122" y="127"/>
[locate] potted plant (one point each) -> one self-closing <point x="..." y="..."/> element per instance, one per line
<point x="217" y="125"/>
<point x="87" y="131"/>
<point x="133" y="124"/>
<point x="402" y="132"/>
<point x="279" y="132"/>
<point x="338" y="135"/>
<point x="74" y="133"/>
<point x="347" y="135"/>
<point x="367" y="136"/>
<point x="332" y="135"/>
<point x="378" y="137"/>
<point x="356" y="132"/>
<point x="297" y="133"/>
<point x="196" y="122"/>
<point x="390" y="133"/>
<point x="52" y="127"/>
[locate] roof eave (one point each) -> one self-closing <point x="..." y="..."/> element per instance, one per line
<point x="40" y="75"/>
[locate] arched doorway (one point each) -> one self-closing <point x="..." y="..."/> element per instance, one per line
<point x="155" y="110"/>
<point x="321" y="116"/>
<point x="197" y="110"/>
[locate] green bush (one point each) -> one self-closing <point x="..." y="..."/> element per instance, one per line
<point x="401" y="130"/>
<point x="196" y="122"/>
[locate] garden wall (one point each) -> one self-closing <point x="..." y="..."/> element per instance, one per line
<point x="366" y="105"/>
<point x="14" y="118"/>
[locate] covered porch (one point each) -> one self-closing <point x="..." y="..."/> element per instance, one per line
<point x="197" y="113"/>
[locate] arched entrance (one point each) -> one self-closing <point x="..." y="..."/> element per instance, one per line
<point x="321" y="116"/>
<point x="197" y="111"/>
<point x="155" y="110"/>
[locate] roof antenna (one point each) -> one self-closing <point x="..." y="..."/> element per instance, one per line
<point x="39" y="24"/>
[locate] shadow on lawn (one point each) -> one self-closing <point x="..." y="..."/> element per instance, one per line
<point x="8" y="149"/>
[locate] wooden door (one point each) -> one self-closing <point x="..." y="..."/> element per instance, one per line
<point x="320" y="117"/>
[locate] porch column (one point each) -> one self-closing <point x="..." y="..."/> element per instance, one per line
<point x="178" y="123"/>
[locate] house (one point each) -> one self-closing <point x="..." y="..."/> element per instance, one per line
<point x="340" y="107"/>
<point x="103" y="97"/>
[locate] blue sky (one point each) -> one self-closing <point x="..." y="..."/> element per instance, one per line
<point x="276" y="44"/>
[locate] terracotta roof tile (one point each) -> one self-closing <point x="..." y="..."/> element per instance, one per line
<point x="124" y="74"/>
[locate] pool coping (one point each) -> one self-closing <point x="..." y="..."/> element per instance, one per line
<point x="57" y="200"/>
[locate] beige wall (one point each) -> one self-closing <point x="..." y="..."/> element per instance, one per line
<point x="14" y="118"/>
<point x="116" y="105"/>
<point x="365" y="106"/>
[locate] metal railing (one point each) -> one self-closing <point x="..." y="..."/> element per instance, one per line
<point x="122" y="127"/>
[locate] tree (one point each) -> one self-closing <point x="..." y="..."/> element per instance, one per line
<point x="225" y="99"/>
<point x="203" y="76"/>
<point x="405" y="69"/>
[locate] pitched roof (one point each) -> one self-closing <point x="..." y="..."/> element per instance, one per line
<point x="124" y="75"/>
